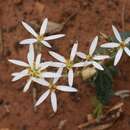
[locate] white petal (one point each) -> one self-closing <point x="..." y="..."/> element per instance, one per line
<point x="49" y="75"/>
<point x="73" y="51"/>
<point x="70" y="77"/>
<point x="42" y="97"/>
<point x="97" y="65"/>
<point x="66" y="88"/>
<point x="57" y="56"/>
<point x="27" y="85"/>
<point x="118" y="56"/>
<point x="29" y="29"/>
<point x="45" y="43"/>
<point x="41" y="81"/>
<point x="127" y="40"/>
<point x="38" y="59"/>
<point x="87" y="63"/>
<point x="101" y="57"/>
<point x="44" y="65"/>
<point x="80" y="64"/>
<point x="81" y="55"/>
<point x="30" y="55"/>
<point x="110" y="45"/>
<point x="117" y="34"/>
<point x="59" y="72"/>
<point x="18" y="62"/>
<point x="28" y="41"/>
<point x="127" y="51"/>
<point x="54" y="101"/>
<point x="20" y="75"/>
<point x="43" y="27"/>
<point x="57" y="64"/>
<point x="93" y="45"/>
<point x="53" y="37"/>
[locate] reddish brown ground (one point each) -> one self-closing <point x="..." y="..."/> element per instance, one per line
<point x="93" y="16"/>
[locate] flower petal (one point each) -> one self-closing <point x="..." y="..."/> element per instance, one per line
<point x="43" y="27"/>
<point x="57" y="56"/>
<point x="97" y="65"/>
<point x="93" y="45"/>
<point x="80" y="64"/>
<point x="57" y="64"/>
<point x="45" y="43"/>
<point x="40" y="81"/>
<point x="28" y="41"/>
<point x="66" y="88"/>
<point x="73" y="51"/>
<point x="54" y="37"/>
<point x="59" y="72"/>
<point x="118" y="56"/>
<point x="101" y="57"/>
<point x="117" y="34"/>
<point x="42" y="98"/>
<point x="127" y="51"/>
<point x="20" y="75"/>
<point x="70" y="77"/>
<point x="30" y="55"/>
<point x="110" y="45"/>
<point x="81" y="55"/>
<point x="54" y="101"/>
<point x="29" y="29"/>
<point x="127" y="40"/>
<point x="38" y="59"/>
<point x="20" y="63"/>
<point x="27" y="85"/>
<point x="49" y="75"/>
<point x="44" y="65"/>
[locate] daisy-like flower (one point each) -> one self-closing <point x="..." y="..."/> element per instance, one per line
<point x="33" y="69"/>
<point x="39" y="38"/>
<point x="52" y="87"/>
<point x="68" y="63"/>
<point x="90" y="58"/>
<point x="121" y="45"/>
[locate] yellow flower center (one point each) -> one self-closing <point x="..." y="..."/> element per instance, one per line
<point x="52" y="87"/>
<point x="40" y="38"/>
<point x="88" y="57"/>
<point x="122" y="45"/>
<point x="69" y="64"/>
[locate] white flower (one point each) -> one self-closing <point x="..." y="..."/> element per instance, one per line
<point x="68" y="63"/>
<point x="40" y="38"/>
<point x="121" y="45"/>
<point x="52" y="87"/>
<point x="91" y="58"/>
<point x="34" y="69"/>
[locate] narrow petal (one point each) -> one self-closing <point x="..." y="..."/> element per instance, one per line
<point x="44" y="27"/>
<point x="20" y="75"/>
<point x="49" y="75"/>
<point x="81" y="55"/>
<point x="38" y="59"/>
<point x="118" y="56"/>
<point x="28" y="41"/>
<point x="110" y="45"/>
<point x="101" y="57"/>
<point x="29" y="29"/>
<point x="52" y="37"/>
<point x="41" y="81"/>
<point x="80" y="64"/>
<point x="54" y="101"/>
<point x="57" y="64"/>
<point x="127" y="40"/>
<point x="30" y="55"/>
<point x="73" y="51"/>
<point x="127" y="51"/>
<point x="45" y="43"/>
<point x="27" y="85"/>
<point x="44" y="65"/>
<point x="42" y="98"/>
<point x="18" y="62"/>
<point x="97" y="65"/>
<point x="57" y="56"/>
<point x="59" y="72"/>
<point x="70" y="77"/>
<point x="117" y="34"/>
<point x="66" y="88"/>
<point x="93" y="45"/>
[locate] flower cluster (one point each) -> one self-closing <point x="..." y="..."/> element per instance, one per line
<point x="37" y="71"/>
